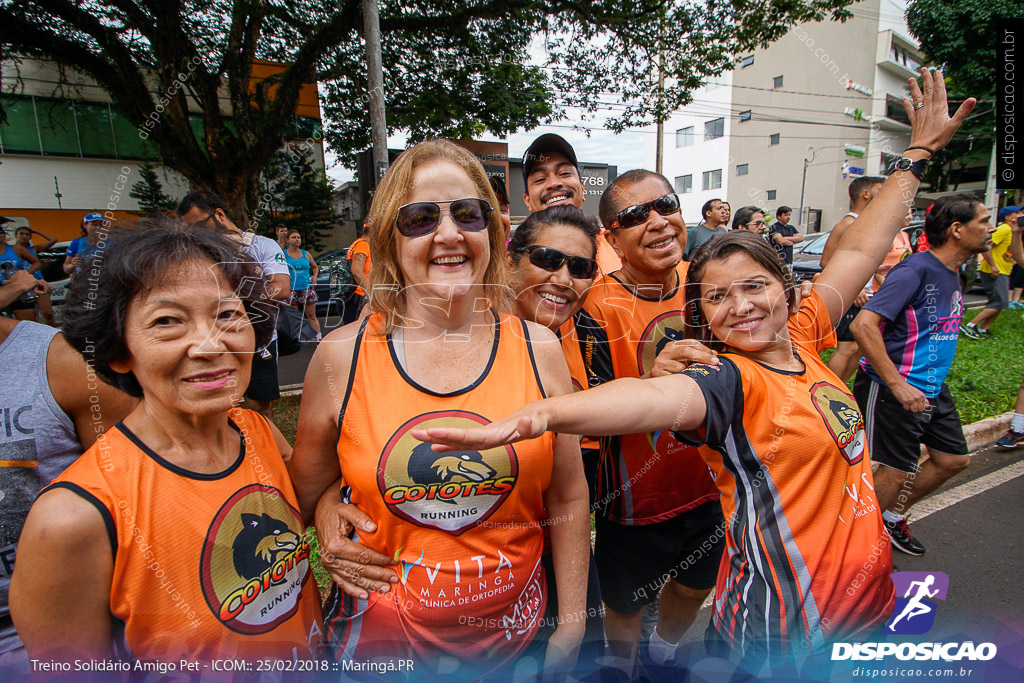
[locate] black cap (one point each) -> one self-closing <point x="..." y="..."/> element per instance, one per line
<point x="5" y="219"/>
<point x="549" y="142"/>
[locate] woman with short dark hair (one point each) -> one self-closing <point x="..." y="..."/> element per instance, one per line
<point x="176" y="535"/>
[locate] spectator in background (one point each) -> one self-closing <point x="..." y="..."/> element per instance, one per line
<point x="751" y="219"/>
<point x="24" y="241"/>
<point x="908" y="332"/>
<point x="844" y="361"/>
<point x="498" y="185"/>
<point x="783" y="235"/>
<point x="92" y="241"/>
<point x="281" y="233"/>
<point x="552" y="176"/>
<point x="17" y="284"/>
<point x="994" y="273"/>
<point x="900" y="250"/>
<point x="715" y="215"/>
<point x="61" y="413"/>
<point x="359" y="255"/>
<point x="303" y="271"/>
<point x="206" y="208"/>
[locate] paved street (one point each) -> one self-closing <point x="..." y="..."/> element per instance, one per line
<point x="971" y="528"/>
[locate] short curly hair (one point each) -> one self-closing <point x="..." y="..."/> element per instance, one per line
<point x="134" y="262"/>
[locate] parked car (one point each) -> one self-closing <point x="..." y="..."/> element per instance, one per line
<point x="334" y="283"/>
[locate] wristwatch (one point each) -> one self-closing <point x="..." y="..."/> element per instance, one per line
<point x="905" y="164"/>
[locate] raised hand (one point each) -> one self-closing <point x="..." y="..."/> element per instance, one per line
<point x="928" y="109"/>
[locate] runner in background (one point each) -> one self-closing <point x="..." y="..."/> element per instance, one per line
<point x="552" y="176"/>
<point x="908" y="332"/>
<point x="302" y="270"/>
<point x="994" y="273"/>
<point x="359" y="255"/>
<point x="900" y="250"/>
<point x="847" y="354"/>
<point x="1014" y="436"/>
<point x="93" y="240"/>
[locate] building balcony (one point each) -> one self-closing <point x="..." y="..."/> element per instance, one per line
<point x="898" y="55"/>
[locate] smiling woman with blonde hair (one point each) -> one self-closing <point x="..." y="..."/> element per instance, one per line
<point x="464" y="529"/>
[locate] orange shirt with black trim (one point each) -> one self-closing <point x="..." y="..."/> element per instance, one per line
<point x="649" y="477"/>
<point x="577" y="370"/>
<point x="807" y="559"/>
<point x="464" y="526"/>
<point x="360" y="246"/>
<point x="206" y="566"/>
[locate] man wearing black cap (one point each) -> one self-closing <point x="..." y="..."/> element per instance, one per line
<point x="551" y="176"/>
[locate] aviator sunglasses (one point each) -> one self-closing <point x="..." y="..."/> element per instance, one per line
<point x="422" y="218"/>
<point x="546" y="258"/>
<point x="632" y="216"/>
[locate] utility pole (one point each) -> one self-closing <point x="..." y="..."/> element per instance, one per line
<point x="803" y="184"/>
<point x="378" y="122"/>
<point x="659" y="155"/>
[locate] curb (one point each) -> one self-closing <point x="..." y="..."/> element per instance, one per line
<point x="983" y="433"/>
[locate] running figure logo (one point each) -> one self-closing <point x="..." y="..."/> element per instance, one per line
<point x="914" y="613"/>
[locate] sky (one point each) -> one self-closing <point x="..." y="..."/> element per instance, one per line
<point x="603" y="147"/>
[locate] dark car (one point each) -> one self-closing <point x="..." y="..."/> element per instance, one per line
<point x="334" y="283"/>
<point x="807" y="262"/>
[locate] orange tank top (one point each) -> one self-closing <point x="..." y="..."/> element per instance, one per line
<point x="206" y="566"/>
<point x="464" y="526"/>
<point x="577" y="370"/>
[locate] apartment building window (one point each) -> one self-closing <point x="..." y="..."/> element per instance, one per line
<point x="770" y="195"/>
<point x="777" y="82"/>
<point x="742" y="169"/>
<point x="745" y="115"/>
<point x="684" y="184"/>
<point x="714" y="83"/>
<point x="712" y="180"/>
<point x="747" y="61"/>
<point x="684" y="137"/>
<point x="714" y="129"/>
<point x="773" y="139"/>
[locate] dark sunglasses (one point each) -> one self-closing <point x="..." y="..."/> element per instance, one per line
<point x="422" y="218"/>
<point x="632" y="216"/>
<point x="551" y="260"/>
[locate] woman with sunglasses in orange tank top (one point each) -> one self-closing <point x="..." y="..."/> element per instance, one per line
<point x="465" y="530"/>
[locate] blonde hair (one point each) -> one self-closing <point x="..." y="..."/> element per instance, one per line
<point x="386" y="285"/>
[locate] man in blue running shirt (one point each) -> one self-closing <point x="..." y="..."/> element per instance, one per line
<point x="908" y="332"/>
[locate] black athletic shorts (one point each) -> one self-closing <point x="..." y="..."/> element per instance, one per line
<point x="633" y="562"/>
<point x="263" y="380"/>
<point x="1017" y="277"/>
<point x="843" y="333"/>
<point x="895" y="434"/>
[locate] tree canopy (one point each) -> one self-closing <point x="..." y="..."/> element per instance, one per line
<point x="457" y="68"/>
